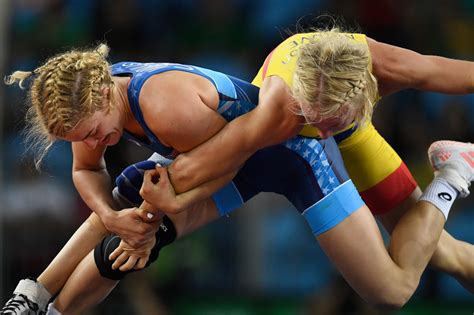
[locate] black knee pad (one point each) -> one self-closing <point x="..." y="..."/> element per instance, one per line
<point x="101" y="257"/>
<point x="165" y="235"/>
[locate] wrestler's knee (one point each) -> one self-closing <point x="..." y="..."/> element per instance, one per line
<point x="101" y="256"/>
<point x="165" y="235"/>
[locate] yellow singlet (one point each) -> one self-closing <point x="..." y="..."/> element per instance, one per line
<point x="376" y="169"/>
<point x="281" y="62"/>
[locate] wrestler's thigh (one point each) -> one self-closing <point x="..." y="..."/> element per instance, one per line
<point x="356" y="248"/>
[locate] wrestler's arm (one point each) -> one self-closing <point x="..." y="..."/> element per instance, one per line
<point x="189" y="124"/>
<point x="81" y="243"/>
<point x="398" y="68"/>
<point x="93" y="183"/>
<point x="92" y="180"/>
<point x="272" y="122"/>
<point x="162" y="195"/>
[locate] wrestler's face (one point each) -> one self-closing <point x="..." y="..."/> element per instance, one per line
<point x="103" y="128"/>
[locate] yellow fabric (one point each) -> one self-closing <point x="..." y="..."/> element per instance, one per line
<point x="282" y="63"/>
<point x="284" y="57"/>
<point x="367" y="156"/>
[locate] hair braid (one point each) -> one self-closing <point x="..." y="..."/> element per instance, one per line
<point x="65" y="90"/>
<point x="357" y="88"/>
<point x="332" y="75"/>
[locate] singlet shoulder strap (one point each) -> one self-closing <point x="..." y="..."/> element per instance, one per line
<point x="139" y="75"/>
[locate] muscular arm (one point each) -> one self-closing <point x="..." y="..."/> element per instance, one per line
<point x="162" y="195"/>
<point x="398" y="68"/>
<point x="270" y="123"/>
<point x="91" y="178"/>
<point x="93" y="183"/>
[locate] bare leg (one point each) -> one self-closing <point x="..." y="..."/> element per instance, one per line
<point x="77" y="295"/>
<point x="91" y="232"/>
<point x="356" y="247"/>
<point x="31" y="296"/>
<point x="85" y="275"/>
<point x="451" y="255"/>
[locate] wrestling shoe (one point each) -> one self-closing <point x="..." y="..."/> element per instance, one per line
<point x="19" y="304"/>
<point x="29" y="298"/>
<point x="453" y="161"/>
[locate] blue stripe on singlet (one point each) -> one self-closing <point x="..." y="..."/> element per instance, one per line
<point x="340" y="195"/>
<point x="334" y="208"/>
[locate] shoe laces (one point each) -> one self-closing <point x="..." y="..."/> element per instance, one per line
<point x="18" y="304"/>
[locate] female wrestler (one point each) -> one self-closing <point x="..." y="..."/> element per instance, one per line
<point x="102" y="126"/>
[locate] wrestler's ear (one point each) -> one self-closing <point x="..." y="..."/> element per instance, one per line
<point x="105" y="91"/>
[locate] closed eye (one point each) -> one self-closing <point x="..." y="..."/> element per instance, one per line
<point x="91" y="133"/>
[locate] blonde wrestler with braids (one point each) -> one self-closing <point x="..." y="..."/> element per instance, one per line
<point x="134" y="103"/>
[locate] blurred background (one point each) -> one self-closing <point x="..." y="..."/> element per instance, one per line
<point x="263" y="258"/>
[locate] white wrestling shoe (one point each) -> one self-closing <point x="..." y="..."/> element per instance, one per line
<point x="19" y="304"/>
<point x="29" y="298"/>
<point x="453" y="161"/>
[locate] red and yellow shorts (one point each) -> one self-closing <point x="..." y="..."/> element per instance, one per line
<point x="380" y="175"/>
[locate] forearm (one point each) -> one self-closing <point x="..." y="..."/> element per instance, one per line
<point x="200" y="193"/>
<point x="200" y="214"/>
<point x="206" y="163"/>
<point x="95" y="188"/>
<point x="161" y="195"/>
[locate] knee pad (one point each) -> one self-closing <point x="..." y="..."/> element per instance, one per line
<point x="101" y="257"/>
<point x="165" y="235"/>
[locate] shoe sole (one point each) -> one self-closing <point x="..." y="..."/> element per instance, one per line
<point x="443" y="143"/>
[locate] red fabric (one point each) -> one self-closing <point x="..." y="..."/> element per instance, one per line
<point x="266" y="63"/>
<point x="390" y="192"/>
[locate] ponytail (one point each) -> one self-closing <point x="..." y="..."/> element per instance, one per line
<point x="18" y="77"/>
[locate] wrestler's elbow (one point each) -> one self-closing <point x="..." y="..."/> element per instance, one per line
<point x="184" y="173"/>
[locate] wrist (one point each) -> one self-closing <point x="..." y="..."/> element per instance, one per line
<point x="108" y="217"/>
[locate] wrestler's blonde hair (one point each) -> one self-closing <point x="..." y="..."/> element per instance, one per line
<point x="333" y="78"/>
<point x="65" y="90"/>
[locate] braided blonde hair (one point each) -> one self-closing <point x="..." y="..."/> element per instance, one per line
<point x="65" y="90"/>
<point x="333" y="78"/>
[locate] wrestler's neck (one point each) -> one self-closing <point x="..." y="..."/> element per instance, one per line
<point x="120" y="95"/>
